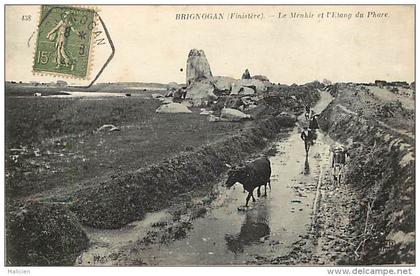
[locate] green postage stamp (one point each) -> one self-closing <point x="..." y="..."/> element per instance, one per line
<point x="63" y="46"/>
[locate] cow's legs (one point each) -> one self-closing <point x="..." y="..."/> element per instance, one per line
<point x="265" y="189"/>
<point x="339" y="174"/>
<point x="269" y="183"/>
<point x="252" y="195"/>
<point x="247" y="199"/>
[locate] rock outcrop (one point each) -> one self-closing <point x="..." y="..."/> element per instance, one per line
<point x="257" y="85"/>
<point x="200" y="90"/>
<point x="223" y="85"/>
<point x="246" y="75"/>
<point x="260" y="77"/>
<point x="203" y="89"/>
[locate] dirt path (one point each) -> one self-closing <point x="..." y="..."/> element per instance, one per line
<point x="225" y="235"/>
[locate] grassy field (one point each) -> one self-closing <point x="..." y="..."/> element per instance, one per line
<point x="54" y="143"/>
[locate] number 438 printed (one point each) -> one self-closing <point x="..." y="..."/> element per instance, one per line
<point x="26" y="17"/>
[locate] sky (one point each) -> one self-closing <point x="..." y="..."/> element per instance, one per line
<point x="152" y="46"/>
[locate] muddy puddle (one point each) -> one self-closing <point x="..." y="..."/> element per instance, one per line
<point x="269" y="227"/>
<point x="106" y="242"/>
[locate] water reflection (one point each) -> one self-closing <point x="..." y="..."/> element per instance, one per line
<point x="306" y="169"/>
<point x="254" y="227"/>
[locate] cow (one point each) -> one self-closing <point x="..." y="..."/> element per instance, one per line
<point x="252" y="175"/>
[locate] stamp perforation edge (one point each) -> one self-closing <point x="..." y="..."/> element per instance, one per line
<point x="92" y="45"/>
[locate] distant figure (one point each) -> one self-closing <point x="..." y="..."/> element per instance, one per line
<point x="246" y="75"/>
<point x="178" y="95"/>
<point x="307" y="112"/>
<point x="338" y="162"/>
<point x="306" y="168"/>
<point x="307" y="137"/>
<point x="184" y="93"/>
<point x="313" y="124"/>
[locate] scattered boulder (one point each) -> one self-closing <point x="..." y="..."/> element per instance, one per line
<point x="157" y="96"/>
<point x="178" y="94"/>
<point x="201" y="93"/>
<point x="233" y="115"/>
<point x="171" y="88"/>
<point x="247" y="100"/>
<point x="223" y="85"/>
<point x="326" y="82"/>
<point x="165" y="100"/>
<point x="198" y="67"/>
<point x="205" y="112"/>
<point x="173" y="108"/>
<point x="186" y="103"/>
<point x="247" y="90"/>
<point x="413" y="85"/>
<point x="258" y="85"/>
<point x="261" y="78"/>
<point x="108" y="128"/>
<point x="380" y="83"/>
<point x="229" y="102"/>
<point x="251" y="106"/>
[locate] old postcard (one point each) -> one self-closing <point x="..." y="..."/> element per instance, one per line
<point x="210" y="135"/>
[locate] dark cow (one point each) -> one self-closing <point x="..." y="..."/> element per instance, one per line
<point x="251" y="176"/>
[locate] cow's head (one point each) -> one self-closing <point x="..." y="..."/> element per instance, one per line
<point x="236" y="174"/>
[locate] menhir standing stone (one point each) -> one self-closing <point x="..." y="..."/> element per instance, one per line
<point x="198" y="67"/>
